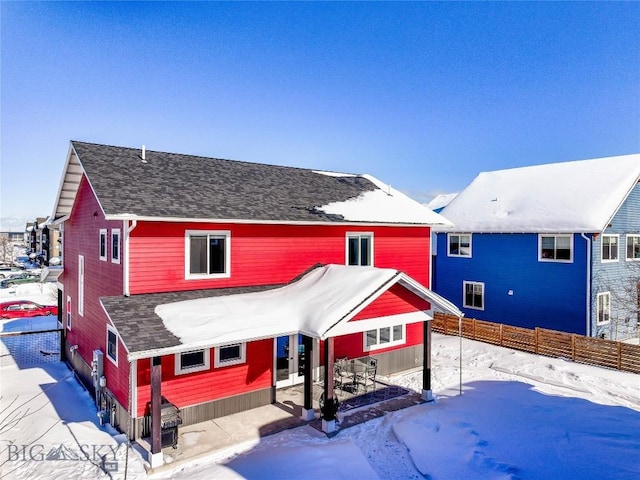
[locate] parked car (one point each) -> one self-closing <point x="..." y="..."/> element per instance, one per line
<point x="19" y="279"/>
<point x="22" y="261"/>
<point x="6" y="271"/>
<point x="25" y="308"/>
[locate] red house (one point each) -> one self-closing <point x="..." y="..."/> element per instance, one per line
<point x="193" y="278"/>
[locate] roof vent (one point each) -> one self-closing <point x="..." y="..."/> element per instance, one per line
<point x="144" y="154"/>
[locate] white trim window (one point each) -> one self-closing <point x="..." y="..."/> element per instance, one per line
<point x="193" y="361"/>
<point x="112" y="345"/>
<point x="384" y="337"/>
<point x="207" y="254"/>
<point x="473" y="295"/>
<point x="555" y="248"/>
<point x="359" y="248"/>
<point x="232" y="354"/>
<point x="610" y="248"/>
<point x="633" y="247"/>
<point x="103" y="244"/>
<point x="603" y="308"/>
<point x="68" y="312"/>
<point x="459" y="245"/>
<point x="81" y="285"/>
<point x="115" y="245"/>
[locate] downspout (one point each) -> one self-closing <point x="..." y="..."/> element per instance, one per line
<point x="127" y="233"/>
<point x="588" y="306"/>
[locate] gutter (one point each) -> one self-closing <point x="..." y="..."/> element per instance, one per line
<point x="588" y="303"/>
<point x="125" y="271"/>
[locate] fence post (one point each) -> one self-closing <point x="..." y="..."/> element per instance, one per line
<point x="536" y="340"/>
<point x="619" y="355"/>
<point x="573" y="347"/>
<point x="501" y="325"/>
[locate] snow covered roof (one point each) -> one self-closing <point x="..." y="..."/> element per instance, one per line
<point x="440" y="201"/>
<point x="579" y="196"/>
<point x="176" y="187"/>
<point x="317" y="304"/>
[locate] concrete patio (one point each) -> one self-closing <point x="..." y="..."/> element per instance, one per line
<point x="206" y="438"/>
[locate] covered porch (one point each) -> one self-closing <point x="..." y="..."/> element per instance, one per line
<point x="216" y="435"/>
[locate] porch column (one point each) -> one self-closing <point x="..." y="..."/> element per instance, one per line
<point x="307" y="408"/>
<point x="156" y="428"/>
<point x="427" y="395"/>
<point x="328" y="413"/>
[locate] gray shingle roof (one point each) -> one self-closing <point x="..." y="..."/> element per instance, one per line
<point x="185" y="186"/>
<point x="141" y="330"/>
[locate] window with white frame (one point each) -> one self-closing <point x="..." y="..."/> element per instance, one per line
<point x="603" y="308"/>
<point x="103" y="244"/>
<point x="232" y="354"/>
<point x="633" y="247"/>
<point x="115" y="245"/>
<point x="207" y="254"/>
<point x="555" y="248"/>
<point x="194" y="361"/>
<point x="473" y="295"/>
<point x="81" y="285"/>
<point x="609" y="248"/>
<point x="383" y="337"/>
<point x="458" y="245"/>
<point x="112" y="345"/>
<point x="360" y="249"/>
<point x="68" y="312"/>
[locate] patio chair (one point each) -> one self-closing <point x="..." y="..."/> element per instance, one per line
<point x="342" y="375"/>
<point x="367" y="378"/>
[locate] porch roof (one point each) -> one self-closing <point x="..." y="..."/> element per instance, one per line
<point x="317" y="304"/>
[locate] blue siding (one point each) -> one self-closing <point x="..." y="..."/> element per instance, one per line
<point x="545" y="294"/>
<point x="619" y="278"/>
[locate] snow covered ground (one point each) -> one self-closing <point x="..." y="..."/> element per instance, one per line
<point x="520" y="416"/>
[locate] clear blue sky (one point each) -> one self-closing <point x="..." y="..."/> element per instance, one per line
<point x="421" y="95"/>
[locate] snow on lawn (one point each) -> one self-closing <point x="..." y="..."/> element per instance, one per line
<point x="520" y="416"/>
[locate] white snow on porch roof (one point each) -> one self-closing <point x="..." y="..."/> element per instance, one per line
<point x="385" y="204"/>
<point x="580" y="196"/>
<point x="314" y="305"/>
<point x="311" y="305"/>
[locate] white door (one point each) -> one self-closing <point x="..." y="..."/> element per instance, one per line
<point x="289" y="360"/>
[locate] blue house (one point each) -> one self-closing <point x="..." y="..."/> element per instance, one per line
<point x="554" y="246"/>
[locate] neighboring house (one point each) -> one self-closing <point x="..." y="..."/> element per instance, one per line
<point x="439" y="202"/>
<point x="43" y="239"/>
<point x="214" y="282"/>
<point x="554" y="246"/>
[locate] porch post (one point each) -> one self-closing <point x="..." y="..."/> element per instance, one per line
<point x="307" y="408"/>
<point x="328" y="413"/>
<point x="427" y="395"/>
<point x="156" y="428"/>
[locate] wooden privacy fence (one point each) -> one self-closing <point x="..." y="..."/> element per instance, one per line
<point x="591" y="351"/>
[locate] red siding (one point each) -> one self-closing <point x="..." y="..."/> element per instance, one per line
<point x="212" y="384"/>
<point x="267" y="254"/>
<point x="352" y="345"/>
<point x="394" y="301"/>
<point x="102" y="278"/>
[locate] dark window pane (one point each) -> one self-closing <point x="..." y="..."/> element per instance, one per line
<point x="385" y="335"/>
<point x="397" y="333"/>
<point x="364" y="251"/>
<point x="353" y="251"/>
<point x="217" y="262"/>
<point x="230" y="352"/>
<point x="454" y="244"/>
<point x="115" y="247"/>
<point x="192" y="359"/>
<point x="198" y="254"/>
<point x="111" y="344"/>
<point x="372" y="337"/>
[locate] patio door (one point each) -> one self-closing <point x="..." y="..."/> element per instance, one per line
<point x="289" y="361"/>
